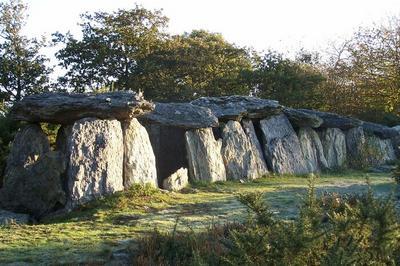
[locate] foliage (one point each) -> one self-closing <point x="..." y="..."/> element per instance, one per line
<point x="112" y="46"/>
<point x="331" y="229"/>
<point x="8" y="129"/>
<point x="292" y="82"/>
<point x="127" y="49"/>
<point x="396" y="173"/>
<point x="23" y="69"/>
<point x="195" y="64"/>
<point x="363" y="74"/>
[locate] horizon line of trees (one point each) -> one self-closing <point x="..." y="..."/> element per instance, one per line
<point x="131" y="50"/>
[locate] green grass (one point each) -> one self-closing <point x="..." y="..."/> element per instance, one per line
<point x="90" y="234"/>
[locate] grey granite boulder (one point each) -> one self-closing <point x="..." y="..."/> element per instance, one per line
<point x="204" y="156"/>
<point x="312" y="149"/>
<point x="65" y="108"/>
<point x="281" y="146"/>
<point x="241" y="161"/>
<point x="7" y="217"/>
<point x="139" y="159"/>
<point x="29" y="144"/>
<point x="380" y="151"/>
<point x="381" y="131"/>
<point x="331" y="120"/>
<point x="256" y="146"/>
<point x="95" y="163"/>
<point x="177" y="181"/>
<point x="299" y="118"/>
<point x="183" y="115"/>
<point x="36" y="189"/>
<point x="237" y="107"/>
<point x="334" y="144"/>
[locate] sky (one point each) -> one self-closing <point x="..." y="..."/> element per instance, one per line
<point x="283" y="25"/>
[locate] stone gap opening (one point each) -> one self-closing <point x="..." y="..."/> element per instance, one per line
<point x="169" y="149"/>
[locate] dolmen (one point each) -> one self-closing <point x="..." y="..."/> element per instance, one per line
<point x="108" y="142"/>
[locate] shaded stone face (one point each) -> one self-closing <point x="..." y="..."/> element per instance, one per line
<point x="139" y="159"/>
<point x="282" y="146"/>
<point x="36" y="189"/>
<point x="204" y="155"/>
<point x="95" y="160"/>
<point x="29" y="144"/>
<point x="32" y="181"/>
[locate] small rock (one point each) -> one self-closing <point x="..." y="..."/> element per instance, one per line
<point x="177" y="180"/>
<point x="7" y="217"/>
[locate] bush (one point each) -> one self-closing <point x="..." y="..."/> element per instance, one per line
<point x="330" y="230"/>
<point x="8" y="129"/>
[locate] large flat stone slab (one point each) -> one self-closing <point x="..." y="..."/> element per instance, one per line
<point x="381" y="131"/>
<point x="331" y="120"/>
<point x="65" y="108"/>
<point x="184" y="115"/>
<point x="237" y="107"/>
<point x="299" y="118"/>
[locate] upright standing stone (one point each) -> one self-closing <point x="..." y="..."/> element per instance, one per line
<point x="32" y="181"/>
<point x="282" y="146"/>
<point x="312" y="149"/>
<point x="248" y="127"/>
<point x="334" y="143"/>
<point x="36" y="189"/>
<point x="139" y="160"/>
<point x="95" y="160"/>
<point x="380" y="151"/>
<point x="29" y="144"/>
<point x="239" y="158"/>
<point x="204" y="156"/>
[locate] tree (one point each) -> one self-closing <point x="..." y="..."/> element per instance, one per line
<point x="112" y="44"/>
<point x="195" y="64"/>
<point x="292" y="82"/>
<point x="364" y="74"/>
<point x="23" y="69"/>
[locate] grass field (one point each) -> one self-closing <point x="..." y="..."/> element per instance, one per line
<point x="92" y="233"/>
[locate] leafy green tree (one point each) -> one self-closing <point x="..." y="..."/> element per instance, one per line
<point x="292" y="82"/>
<point x="23" y="69"/>
<point x="195" y="64"/>
<point x="112" y="44"/>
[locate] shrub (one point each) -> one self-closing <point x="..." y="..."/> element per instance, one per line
<point x="331" y="229"/>
<point x="8" y="129"/>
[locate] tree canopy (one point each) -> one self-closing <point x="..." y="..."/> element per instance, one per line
<point x="23" y="68"/>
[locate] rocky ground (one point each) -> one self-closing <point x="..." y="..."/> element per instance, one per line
<point x="101" y="231"/>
